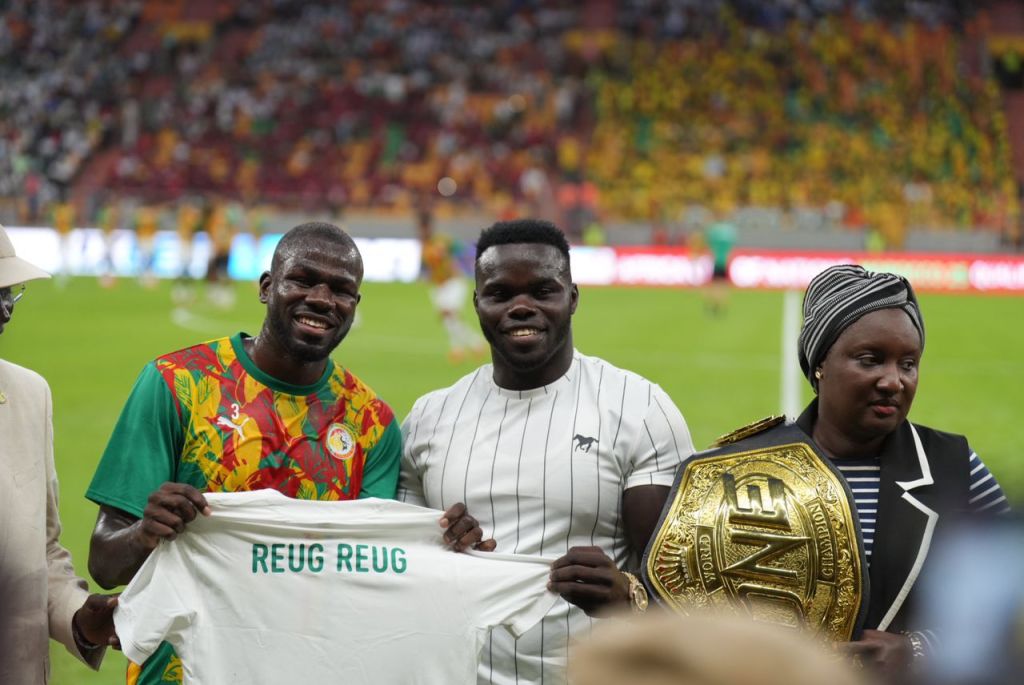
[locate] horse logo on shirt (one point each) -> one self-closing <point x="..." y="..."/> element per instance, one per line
<point x="583" y="442"/>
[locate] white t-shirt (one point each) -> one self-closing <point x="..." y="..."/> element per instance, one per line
<point x="543" y="470"/>
<point x="270" y="589"/>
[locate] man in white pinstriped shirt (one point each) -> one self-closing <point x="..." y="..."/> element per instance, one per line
<point x="556" y="453"/>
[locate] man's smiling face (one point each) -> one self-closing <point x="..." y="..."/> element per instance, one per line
<point x="525" y="300"/>
<point x="311" y="298"/>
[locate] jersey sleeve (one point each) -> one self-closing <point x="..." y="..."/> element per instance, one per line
<point x="152" y="608"/>
<point x="508" y="590"/>
<point x="380" y="470"/>
<point x="662" y="443"/>
<point x="144" y="448"/>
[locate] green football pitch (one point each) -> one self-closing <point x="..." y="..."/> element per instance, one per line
<point x="721" y="371"/>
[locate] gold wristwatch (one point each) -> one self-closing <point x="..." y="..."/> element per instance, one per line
<point x="637" y="593"/>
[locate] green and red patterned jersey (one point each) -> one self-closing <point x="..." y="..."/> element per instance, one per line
<point x="208" y="416"/>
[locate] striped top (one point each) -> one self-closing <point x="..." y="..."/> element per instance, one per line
<point x="862" y="475"/>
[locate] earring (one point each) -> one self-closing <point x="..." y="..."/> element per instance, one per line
<point x="817" y="374"/>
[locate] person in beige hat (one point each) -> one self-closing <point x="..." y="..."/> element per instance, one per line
<point x="40" y="594"/>
<point x="14" y="272"/>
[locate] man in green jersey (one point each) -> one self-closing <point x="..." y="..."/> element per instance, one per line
<point x="249" y="413"/>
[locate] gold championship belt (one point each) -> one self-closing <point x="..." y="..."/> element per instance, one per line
<point x="762" y="526"/>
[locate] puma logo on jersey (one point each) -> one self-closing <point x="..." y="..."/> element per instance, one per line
<point x="583" y="442"/>
<point x="225" y="422"/>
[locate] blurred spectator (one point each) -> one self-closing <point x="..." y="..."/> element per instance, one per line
<point x="146" y="222"/>
<point x="720" y="238"/>
<point x="975" y="603"/>
<point x="63" y="219"/>
<point x="107" y="219"/>
<point x="668" y="649"/>
<point x="449" y="287"/>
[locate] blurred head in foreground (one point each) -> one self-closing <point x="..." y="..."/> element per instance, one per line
<point x="669" y="649"/>
<point x="981" y="629"/>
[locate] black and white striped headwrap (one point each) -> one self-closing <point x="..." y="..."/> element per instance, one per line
<point x="840" y="295"/>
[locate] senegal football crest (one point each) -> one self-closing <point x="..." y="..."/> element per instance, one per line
<point x="340" y="442"/>
<point x="766" y="532"/>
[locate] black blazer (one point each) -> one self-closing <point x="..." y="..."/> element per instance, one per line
<point x="925" y="479"/>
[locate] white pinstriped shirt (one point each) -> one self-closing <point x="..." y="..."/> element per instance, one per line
<point x="543" y="470"/>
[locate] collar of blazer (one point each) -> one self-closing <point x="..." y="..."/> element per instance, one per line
<point x="906" y="525"/>
<point x="906" y="539"/>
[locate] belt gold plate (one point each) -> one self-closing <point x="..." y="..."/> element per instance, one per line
<point x="768" y="533"/>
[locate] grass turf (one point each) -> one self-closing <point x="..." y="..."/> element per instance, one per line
<point x="721" y="371"/>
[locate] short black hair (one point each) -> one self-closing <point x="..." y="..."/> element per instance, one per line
<point x="530" y="231"/>
<point x="312" y="231"/>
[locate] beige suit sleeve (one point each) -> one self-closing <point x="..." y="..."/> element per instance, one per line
<point x="66" y="592"/>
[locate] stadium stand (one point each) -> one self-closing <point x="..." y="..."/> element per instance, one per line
<point x="776" y="114"/>
<point x="843" y="117"/>
<point x="61" y="77"/>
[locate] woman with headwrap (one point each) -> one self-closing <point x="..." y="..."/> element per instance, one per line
<point x="827" y="523"/>
<point x="860" y="348"/>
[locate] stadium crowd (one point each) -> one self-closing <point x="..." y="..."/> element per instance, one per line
<point x="62" y="81"/>
<point x="860" y="112"/>
<point x="877" y="125"/>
